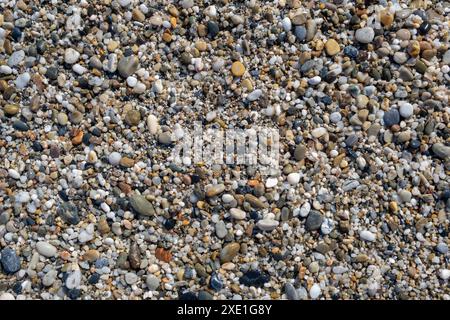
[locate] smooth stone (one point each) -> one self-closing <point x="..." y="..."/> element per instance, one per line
<point x="6" y="296"/>
<point x="267" y="224"/>
<point x="332" y="47"/>
<point x="446" y="58"/>
<point x="300" y="152"/>
<point x="229" y="252"/>
<point x="46" y="249"/>
<point x="405" y="195"/>
<point x="300" y="33"/>
<point x="335" y="117"/>
<point x="406" y="110"/>
<point x="16" y="58"/>
<point x="441" y="151"/>
<point x="152" y="282"/>
<point x="214" y="190"/>
<point x="237" y="214"/>
<point x="290" y="291"/>
<point x="293" y="178"/>
<point x="287" y="24"/>
<point x="152" y="124"/>
<point x="442" y="248"/>
<point x="205" y="295"/>
<point x="444" y="274"/>
<point x="73" y="281"/>
<point x="11" y="109"/>
<point x="141" y="205"/>
<point x="221" y="229"/>
<point x="49" y="278"/>
<point x="165" y="138"/>
<point x="237" y="69"/>
<point x="391" y="117"/>
<point x="131" y="278"/>
<point x="315" y="291"/>
<point x="366" y="235"/>
<point x="254" y="95"/>
<point x="22" y="80"/>
<point x="314" y="221"/>
<point x="405" y="74"/>
<point x="10" y="261"/>
<point x="127" y="66"/>
<point x="20" y="125"/>
<point x="71" y="56"/>
<point x="364" y="35"/>
<point x="305" y="209"/>
<point x="271" y="182"/>
<point x="114" y="158"/>
<point x="319" y="132"/>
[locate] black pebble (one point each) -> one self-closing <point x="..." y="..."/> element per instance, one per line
<point x="74" y="293"/>
<point x="169" y="224"/>
<point x="16" y="34"/>
<point x="213" y="29"/>
<point x="94" y="278"/>
<point x="424" y="28"/>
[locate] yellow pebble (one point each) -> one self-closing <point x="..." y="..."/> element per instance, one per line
<point x="237" y="69"/>
<point x="332" y="47"/>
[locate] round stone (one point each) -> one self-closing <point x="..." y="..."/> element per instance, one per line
<point x="71" y="56"/>
<point x="237" y="214"/>
<point x="114" y="158"/>
<point x="237" y="69"/>
<point x="365" y="35"/>
<point x="332" y="47"/>
<point x="406" y="110"/>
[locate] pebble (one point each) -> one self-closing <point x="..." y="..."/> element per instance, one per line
<point x="293" y="178"/>
<point x="128" y="66"/>
<point x="315" y="291"/>
<point x="46" y="249"/>
<point x="71" y="56"/>
<point x="10" y="261"/>
<point x="314" y="221"/>
<point x="406" y="110"/>
<point x="229" y="252"/>
<point x="267" y="224"/>
<point x="365" y="35"/>
<point x="152" y="282"/>
<point x="366" y="235"/>
<point x="141" y="205"/>
<point x="391" y="117"/>
<point x="114" y="158"/>
<point x="237" y="214"/>
<point x="237" y="69"/>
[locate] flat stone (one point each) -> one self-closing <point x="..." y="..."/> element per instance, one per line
<point x="141" y="205"/>
<point x="391" y="117"/>
<point x="152" y="282"/>
<point x="441" y="151"/>
<point x="366" y="235"/>
<point x="237" y="214"/>
<point x="10" y="261"/>
<point x="267" y="224"/>
<point x="46" y="249"/>
<point x="221" y="229"/>
<point x="300" y="152"/>
<point x="229" y="252"/>
<point x="314" y="221"/>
